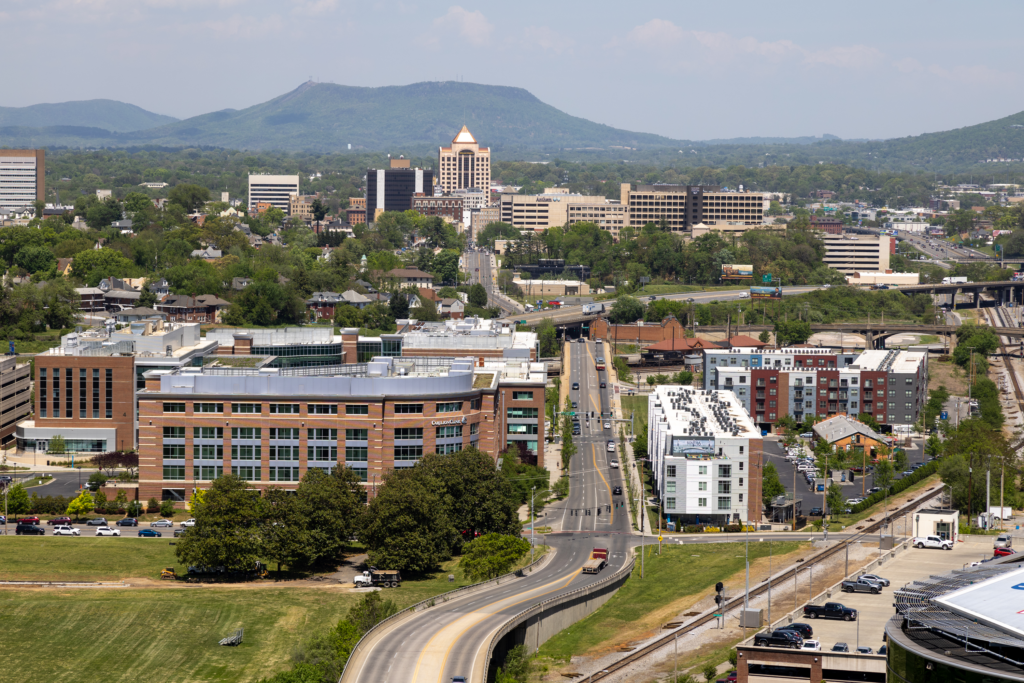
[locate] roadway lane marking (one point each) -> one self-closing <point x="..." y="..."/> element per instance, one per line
<point x="593" y="448"/>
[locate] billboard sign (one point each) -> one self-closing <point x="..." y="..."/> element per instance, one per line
<point x="766" y="292"/>
<point x="692" y="446"/>
<point x="732" y="271"/>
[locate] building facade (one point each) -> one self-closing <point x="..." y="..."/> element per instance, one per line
<point x="392" y="189"/>
<point x="853" y="253"/>
<point x="22" y="178"/>
<point x="464" y="165"/>
<point x="275" y="190"/>
<point x="829" y="226"/>
<point x="15" y="395"/>
<point x="683" y="206"/>
<point x="448" y="208"/>
<point x="553" y="208"/>
<point x="706" y="456"/>
<point x="198" y="424"/>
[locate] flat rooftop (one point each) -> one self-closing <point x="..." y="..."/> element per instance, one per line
<point x="281" y="336"/>
<point x="704" y="413"/>
<point x="904" y="362"/>
<point x="467" y="333"/>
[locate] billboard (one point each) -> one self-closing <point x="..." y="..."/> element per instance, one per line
<point x="766" y="292"/>
<point x="690" y="445"/>
<point x="732" y="271"/>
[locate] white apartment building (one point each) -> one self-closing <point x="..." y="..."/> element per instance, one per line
<point x="275" y="189"/>
<point x="858" y="253"/>
<point x="22" y="174"/>
<point x="706" y="456"/>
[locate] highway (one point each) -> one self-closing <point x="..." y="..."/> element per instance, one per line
<point x="451" y="639"/>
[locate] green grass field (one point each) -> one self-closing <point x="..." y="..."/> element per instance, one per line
<point x="642" y="604"/>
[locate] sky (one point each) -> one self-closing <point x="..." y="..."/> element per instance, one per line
<point x="687" y="70"/>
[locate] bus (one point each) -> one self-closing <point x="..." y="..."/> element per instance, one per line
<point x="600" y="363"/>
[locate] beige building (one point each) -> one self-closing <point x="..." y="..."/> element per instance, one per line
<point x="730" y="229"/>
<point x="886" y="278"/>
<point x="541" y="211"/>
<point x="610" y="216"/>
<point x="22" y="178"/>
<point x="463" y="165"/>
<point x="479" y="219"/>
<point x="683" y="206"/>
<point x="858" y="253"/>
<point x="301" y="206"/>
<point x="544" y="288"/>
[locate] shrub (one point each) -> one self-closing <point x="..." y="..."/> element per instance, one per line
<point x="733" y="528"/>
<point x="898" y="487"/>
<point x="167" y="508"/>
<point x="153" y="505"/>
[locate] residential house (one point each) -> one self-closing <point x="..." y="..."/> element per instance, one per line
<point x="64" y="266"/>
<point x="161" y="288"/>
<point x="853" y="436"/>
<point x="428" y="294"/>
<point x="124" y="226"/>
<point x="366" y="285"/>
<point x="255" y="241"/>
<point x="208" y="254"/>
<point x="240" y="283"/>
<point x="354" y="298"/>
<point x="322" y="304"/>
<point x="91" y="299"/>
<point x="451" y="308"/>
<point x="201" y="309"/>
<point x="412" y="276"/>
<point x="121" y="299"/>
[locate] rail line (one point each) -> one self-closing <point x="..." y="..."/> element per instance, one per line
<point x="998" y="315"/>
<point x="650" y="648"/>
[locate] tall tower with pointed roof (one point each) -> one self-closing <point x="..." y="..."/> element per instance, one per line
<point x="464" y="165"/>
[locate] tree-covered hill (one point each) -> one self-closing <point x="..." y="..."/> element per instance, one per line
<point x="106" y="115"/>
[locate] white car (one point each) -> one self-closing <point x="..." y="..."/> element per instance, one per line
<point x="107" y="531"/>
<point x="811" y="645"/>
<point x="65" y="530"/>
<point x="614" y="464"/>
<point x="744" y="295"/>
<point x="188" y="523"/>
<point x="611" y="448"/>
<point x="607" y="425"/>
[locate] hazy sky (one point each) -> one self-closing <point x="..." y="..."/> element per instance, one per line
<point x="693" y="70"/>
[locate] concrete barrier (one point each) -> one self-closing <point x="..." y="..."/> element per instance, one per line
<point x="537" y="624"/>
<point x="356" y="659"/>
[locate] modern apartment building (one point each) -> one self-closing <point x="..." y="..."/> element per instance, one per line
<point x="808" y="381"/>
<point x="683" y="206"/>
<point x="852" y="253"/>
<point x="273" y="189"/>
<point x="706" y="456"/>
<point x="392" y="189"/>
<point x="464" y="165"/>
<point x="196" y="424"/>
<point x="22" y="178"/>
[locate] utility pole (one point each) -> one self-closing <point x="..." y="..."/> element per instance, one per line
<point x="641" y="487"/>
<point x="533" y="524"/>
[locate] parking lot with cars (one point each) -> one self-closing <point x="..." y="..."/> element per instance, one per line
<point x="96" y="526"/>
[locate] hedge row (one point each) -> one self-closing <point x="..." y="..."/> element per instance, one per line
<point x="899" y="486"/>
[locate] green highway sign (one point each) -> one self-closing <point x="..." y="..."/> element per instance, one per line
<point x="766" y="278"/>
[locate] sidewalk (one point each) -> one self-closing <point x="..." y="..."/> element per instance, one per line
<point x="628" y="460"/>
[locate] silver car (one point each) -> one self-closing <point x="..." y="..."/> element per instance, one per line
<point x="162" y="522"/>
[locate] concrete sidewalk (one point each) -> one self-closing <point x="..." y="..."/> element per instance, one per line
<point x="628" y="459"/>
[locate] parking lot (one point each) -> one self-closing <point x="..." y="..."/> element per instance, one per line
<point x="86" y="530"/>
<point x="873" y="611"/>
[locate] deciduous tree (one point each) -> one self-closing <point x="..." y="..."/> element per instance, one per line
<point x="492" y="555"/>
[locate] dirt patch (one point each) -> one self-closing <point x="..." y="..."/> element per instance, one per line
<point x="948" y="375"/>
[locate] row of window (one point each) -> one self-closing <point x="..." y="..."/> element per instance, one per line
<point x="724" y="471"/>
<point x="724" y="502"/>
<point x="323" y="434"/>
<point x="319" y="408"/>
<point x="723" y="486"/>
<point x="50" y="388"/>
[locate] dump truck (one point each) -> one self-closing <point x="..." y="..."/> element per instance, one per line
<point x="386" y="578"/>
<point x="598" y="559"/>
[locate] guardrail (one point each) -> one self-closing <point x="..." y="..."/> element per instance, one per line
<point x="621" y="575"/>
<point x="436" y="600"/>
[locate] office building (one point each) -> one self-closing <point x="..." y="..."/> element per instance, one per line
<point x="706" y="456"/>
<point x="301" y="205"/>
<point x="553" y="208"/>
<point x="448" y="208"/>
<point x="609" y="215"/>
<point x="852" y="253"/>
<point x="15" y="395"/>
<point x="681" y="207"/>
<point x="808" y="381"/>
<point x="22" y="178"/>
<point x="85" y="388"/>
<point x="464" y="165"/>
<point x="392" y="189"/>
<point x="270" y="425"/>
<point x="829" y="226"/>
<point x="481" y="218"/>
<point x="275" y="190"/>
<point x="473" y="197"/>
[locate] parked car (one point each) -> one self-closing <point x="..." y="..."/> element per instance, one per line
<point x="65" y="530"/>
<point x="804" y="630"/>
<point x="864" y="650"/>
<point x="934" y="542"/>
<point x="3" y="520"/>
<point x="875" y="578"/>
<point x="1003" y="552"/>
<point x="29" y="530"/>
<point x="840" y="647"/>
<point x="812" y="645"/>
<point x="874" y="489"/>
<point x="58" y="520"/>
<point x="162" y="522"/>
<point x="128" y="521"/>
<point x="790" y="639"/>
<point x="188" y="523"/>
<point x="861" y="586"/>
<point x="816" y="512"/>
<point x="807" y="435"/>
<point x="830" y="610"/>
<point x="98" y="521"/>
<point x="108" y="531"/>
<point x="149" y="533"/>
<point x="883" y="650"/>
<point x="854" y="501"/>
<point x="1003" y="541"/>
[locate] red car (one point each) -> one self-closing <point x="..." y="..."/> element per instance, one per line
<point x="27" y="520"/>
<point x="1003" y="552"/>
<point x="59" y="520"/>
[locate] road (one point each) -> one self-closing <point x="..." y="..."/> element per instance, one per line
<point x="478" y="265"/>
<point x="450" y="640"/>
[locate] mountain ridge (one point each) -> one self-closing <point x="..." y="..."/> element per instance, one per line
<point x="110" y="115"/>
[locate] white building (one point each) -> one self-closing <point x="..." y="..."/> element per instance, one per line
<point x="275" y="189"/>
<point x="706" y="456"/>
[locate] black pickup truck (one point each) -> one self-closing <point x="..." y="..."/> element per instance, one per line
<point x="780" y="638"/>
<point x="830" y="610"/>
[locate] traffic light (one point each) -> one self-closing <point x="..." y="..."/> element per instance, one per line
<point x="719" y="599"/>
<point x="609" y="508"/>
<point x="598" y="512"/>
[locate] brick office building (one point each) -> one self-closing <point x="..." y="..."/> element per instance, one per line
<point x="271" y="425"/>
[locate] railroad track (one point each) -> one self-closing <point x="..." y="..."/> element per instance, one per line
<point x="997" y="316"/>
<point x="754" y="592"/>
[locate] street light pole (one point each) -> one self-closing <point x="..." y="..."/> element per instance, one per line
<point x="533" y="524"/>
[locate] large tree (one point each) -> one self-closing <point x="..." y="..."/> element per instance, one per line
<point x="188" y="196"/>
<point x="329" y="505"/>
<point x="625" y="310"/>
<point x="228" y="525"/>
<point x="405" y="526"/>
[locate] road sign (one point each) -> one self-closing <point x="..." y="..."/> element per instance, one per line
<point x="766" y="278"/>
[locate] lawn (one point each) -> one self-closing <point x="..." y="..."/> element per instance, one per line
<point x="672" y="583"/>
<point x="638" y="406"/>
<point x="46" y="558"/>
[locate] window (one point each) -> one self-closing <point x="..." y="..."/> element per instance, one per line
<point x="670" y="486"/>
<point x="250" y="433"/>
<point x="247" y="472"/>
<point x="207" y="472"/>
<point x="284" y="408"/>
<point x="69" y="391"/>
<point x="702" y="502"/>
<point x="670" y="503"/>
<point x="741" y="453"/>
<point x="522" y="395"/>
<point x="907" y="418"/>
<point x="324" y="434"/>
<point x="208" y="451"/>
<point x="521" y="413"/>
<point x="209" y="407"/>
<point x="174" y="451"/>
<point x="907" y="406"/>
<point x="409" y="432"/>
<point x="741" y="481"/>
<point x="702" y="486"/>
<point x="808" y="404"/>
<point x="448" y="448"/>
<point x="909" y="380"/>
<point x="174" y="407"/>
<point x="285" y="452"/>
<point x="323" y="408"/>
<point x="773" y="392"/>
<point x="724" y="471"/>
<point x="892" y="392"/>
<point x="322" y="453"/>
<point x="174" y="432"/>
<point x="42" y="393"/>
<point x="284" y="474"/>
<point x="453" y="407"/>
<point x="174" y="472"/>
<point x="724" y="503"/>
<point x="892" y="405"/>
<point x="702" y="469"/>
<point x="523" y="429"/>
<point x="741" y="497"/>
<point x="284" y="433"/>
<point x="449" y="432"/>
<point x="361" y="472"/>
<point x="245" y="408"/>
<point x="83" y="396"/>
<point x="358" y="410"/>
<point x="725" y="487"/>
<point x="356" y="454"/>
<point x="207" y="432"/>
<point x="356" y="434"/>
<point x="408" y="452"/>
<point x="476" y="404"/>
<point x="56" y="392"/>
<point x="95" y="395"/>
<point x="408" y="409"/>
<point x="909" y="393"/>
<point x="670" y="470"/>
<point x="474" y="428"/>
<point x="245" y="452"/>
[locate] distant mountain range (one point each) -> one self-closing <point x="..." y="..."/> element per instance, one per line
<point x="415" y="119"/>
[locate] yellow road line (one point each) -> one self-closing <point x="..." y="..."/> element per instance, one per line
<point x="611" y="506"/>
